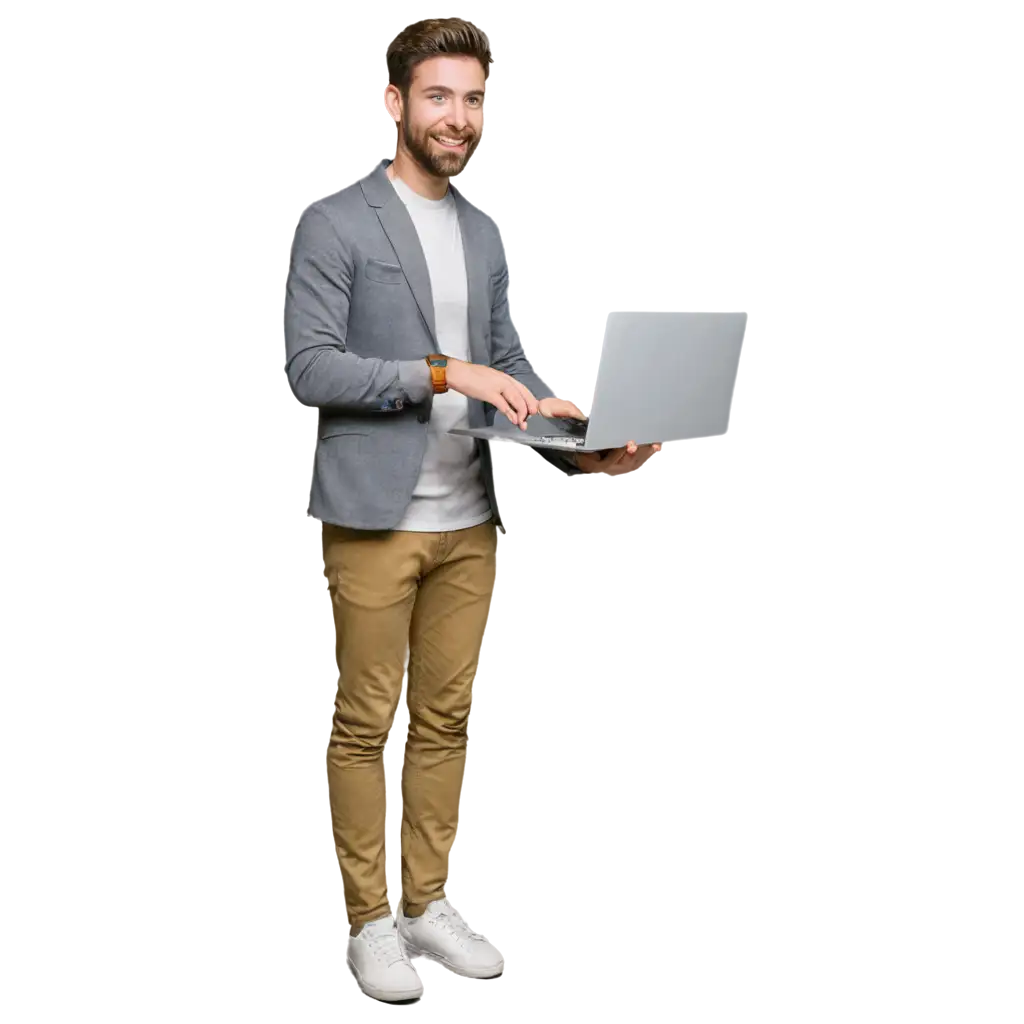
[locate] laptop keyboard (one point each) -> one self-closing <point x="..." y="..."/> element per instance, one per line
<point x="561" y="439"/>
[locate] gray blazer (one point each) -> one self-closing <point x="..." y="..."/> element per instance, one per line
<point x="358" y="322"/>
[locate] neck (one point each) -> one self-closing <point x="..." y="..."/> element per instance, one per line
<point x="428" y="185"/>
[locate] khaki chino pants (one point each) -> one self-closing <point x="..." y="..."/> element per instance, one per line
<point x="393" y="592"/>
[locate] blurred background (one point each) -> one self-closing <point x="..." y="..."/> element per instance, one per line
<point x="783" y="677"/>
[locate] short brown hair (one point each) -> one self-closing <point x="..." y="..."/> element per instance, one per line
<point x="433" y="38"/>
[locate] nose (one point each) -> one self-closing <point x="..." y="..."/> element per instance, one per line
<point x="457" y="118"/>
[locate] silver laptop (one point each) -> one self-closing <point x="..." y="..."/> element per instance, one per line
<point x="662" y="377"/>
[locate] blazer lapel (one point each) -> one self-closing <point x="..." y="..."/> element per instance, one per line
<point x="401" y="232"/>
<point x="398" y="226"/>
<point x="478" y="293"/>
<point x="477" y="278"/>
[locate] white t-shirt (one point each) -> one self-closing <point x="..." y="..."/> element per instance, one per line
<point x="450" y="493"/>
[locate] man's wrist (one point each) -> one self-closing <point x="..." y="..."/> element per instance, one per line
<point x="453" y="372"/>
<point x="437" y="365"/>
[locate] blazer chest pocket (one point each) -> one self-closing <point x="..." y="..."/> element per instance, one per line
<point x="385" y="273"/>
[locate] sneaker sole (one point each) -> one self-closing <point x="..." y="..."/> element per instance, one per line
<point x="408" y="996"/>
<point x="466" y="972"/>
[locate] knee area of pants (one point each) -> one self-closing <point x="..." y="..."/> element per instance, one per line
<point x="355" y="748"/>
<point x="344" y="752"/>
<point x="450" y="721"/>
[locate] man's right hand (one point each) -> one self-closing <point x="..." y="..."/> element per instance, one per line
<point x="504" y="392"/>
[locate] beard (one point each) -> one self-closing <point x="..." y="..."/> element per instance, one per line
<point x="433" y="157"/>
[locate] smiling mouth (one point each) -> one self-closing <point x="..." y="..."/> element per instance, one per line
<point x="450" y="145"/>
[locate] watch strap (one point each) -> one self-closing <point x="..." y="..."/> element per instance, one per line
<point x="438" y="372"/>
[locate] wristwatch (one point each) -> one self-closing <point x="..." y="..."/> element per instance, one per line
<point x="438" y="372"/>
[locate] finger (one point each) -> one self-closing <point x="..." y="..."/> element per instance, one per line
<point x="527" y="409"/>
<point x="629" y="460"/>
<point x="532" y="405"/>
<point x="529" y="404"/>
<point x="502" y="406"/>
<point x="515" y="398"/>
<point x="614" y="457"/>
<point x="564" y="409"/>
<point x="518" y="403"/>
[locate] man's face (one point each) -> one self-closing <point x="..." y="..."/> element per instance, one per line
<point x="446" y="101"/>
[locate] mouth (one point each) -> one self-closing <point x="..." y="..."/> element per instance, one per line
<point x="452" y="144"/>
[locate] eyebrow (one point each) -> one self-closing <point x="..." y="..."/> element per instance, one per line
<point x="443" y="88"/>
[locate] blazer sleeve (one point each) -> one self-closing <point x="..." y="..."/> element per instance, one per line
<point x="321" y="372"/>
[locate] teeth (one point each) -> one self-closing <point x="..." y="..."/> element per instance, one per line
<point x="450" y="142"/>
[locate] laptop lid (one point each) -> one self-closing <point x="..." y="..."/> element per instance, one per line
<point x="665" y="377"/>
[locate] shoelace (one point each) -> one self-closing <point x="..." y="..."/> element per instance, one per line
<point x="456" y="924"/>
<point x="386" y="946"/>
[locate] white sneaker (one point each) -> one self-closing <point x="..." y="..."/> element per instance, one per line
<point x="441" y="934"/>
<point x="377" y="957"/>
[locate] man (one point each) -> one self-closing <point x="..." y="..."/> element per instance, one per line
<point x="397" y="328"/>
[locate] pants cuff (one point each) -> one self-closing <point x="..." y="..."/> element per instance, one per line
<point x="416" y="909"/>
<point x="358" y="922"/>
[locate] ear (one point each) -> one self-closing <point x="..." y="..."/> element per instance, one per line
<point x="392" y="103"/>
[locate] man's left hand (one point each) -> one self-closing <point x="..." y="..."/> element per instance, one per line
<point x="551" y="408"/>
<point x="613" y="461"/>
<point x="616" y="461"/>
